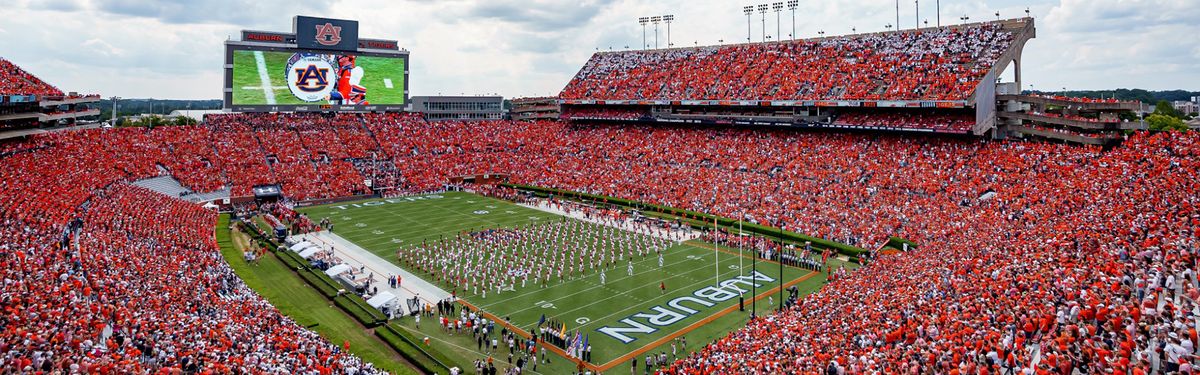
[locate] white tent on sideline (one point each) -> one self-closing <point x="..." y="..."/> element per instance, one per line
<point x="382" y="299"/>
<point x="337" y="270"/>
<point x="301" y="246"/>
<point x="309" y="252"/>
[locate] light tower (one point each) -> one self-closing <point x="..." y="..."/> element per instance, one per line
<point x="656" y="20"/>
<point x="762" y="9"/>
<point x="792" y="5"/>
<point x="777" y="7"/>
<point x="643" y="21"/>
<point x="749" y="10"/>
<point x="668" y="18"/>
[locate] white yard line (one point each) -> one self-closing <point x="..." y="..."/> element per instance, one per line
<point x="260" y="87"/>
<point x="268" y="90"/>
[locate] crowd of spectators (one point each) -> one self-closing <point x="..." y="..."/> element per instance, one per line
<point x="604" y="113"/>
<point x="16" y="81"/>
<point x="1067" y="116"/>
<point x="1080" y="99"/>
<point x="1082" y="258"/>
<point x="1015" y="281"/>
<point x="133" y="282"/>
<point x="938" y="122"/>
<point x="928" y="64"/>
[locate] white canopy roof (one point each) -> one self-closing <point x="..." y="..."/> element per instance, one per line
<point x="337" y="270"/>
<point x="301" y="245"/>
<point x="309" y="252"/>
<point x="381" y="299"/>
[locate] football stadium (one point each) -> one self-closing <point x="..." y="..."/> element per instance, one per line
<point x="893" y="201"/>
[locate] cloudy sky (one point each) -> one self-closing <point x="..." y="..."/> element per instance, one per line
<point x="173" y="48"/>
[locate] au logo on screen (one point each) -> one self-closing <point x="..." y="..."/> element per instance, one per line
<point x="328" y="34"/>
<point x="309" y="77"/>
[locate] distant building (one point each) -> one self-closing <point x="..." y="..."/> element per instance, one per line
<point x="436" y="108"/>
<point x="1186" y="107"/>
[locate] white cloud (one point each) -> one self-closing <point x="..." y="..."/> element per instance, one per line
<point x="142" y="48"/>
<point x="103" y="48"/>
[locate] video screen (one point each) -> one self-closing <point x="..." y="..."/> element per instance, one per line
<point x="305" y="78"/>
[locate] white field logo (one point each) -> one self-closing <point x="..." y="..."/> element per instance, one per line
<point x="308" y="77"/>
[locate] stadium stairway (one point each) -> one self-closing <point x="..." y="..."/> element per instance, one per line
<point x="169" y="186"/>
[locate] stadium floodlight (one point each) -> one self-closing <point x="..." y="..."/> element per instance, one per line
<point x="1026" y="12"/>
<point x="897" y="14"/>
<point x="964" y="18"/>
<point x="918" y="17"/>
<point x="777" y="7"/>
<point x="792" y="5"/>
<point x="762" y="9"/>
<point x="939" y="13"/>
<point x="655" y="20"/>
<point x="668" y="18"/>
<point x="643" y="21"/>
<point x="997" y="15"/>
<point x="888" y="27"/>
<point x="853" y="30"/>
<point x="749" y="10"/>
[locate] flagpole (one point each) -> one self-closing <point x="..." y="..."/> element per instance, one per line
<point x="781" y="265"/>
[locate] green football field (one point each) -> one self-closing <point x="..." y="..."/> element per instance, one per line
<point x="248" y="89"/>
<point x="628" y="315"/>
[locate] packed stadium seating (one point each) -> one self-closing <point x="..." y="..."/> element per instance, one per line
<point x="16" y="81"/>
<point x="604" y="113"/>
<point x="1082" y="256"/>
<point x="939" y="122"/>
<point x="929" y="64"/>
<point x="1077" y="99"/>
<point x="130" y="282"/>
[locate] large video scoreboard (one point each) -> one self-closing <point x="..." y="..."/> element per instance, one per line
<point x="321" y="66"/>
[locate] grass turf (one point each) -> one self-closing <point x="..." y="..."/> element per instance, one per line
<point x="381" y="227"/>
<point x="296" y="299"/>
